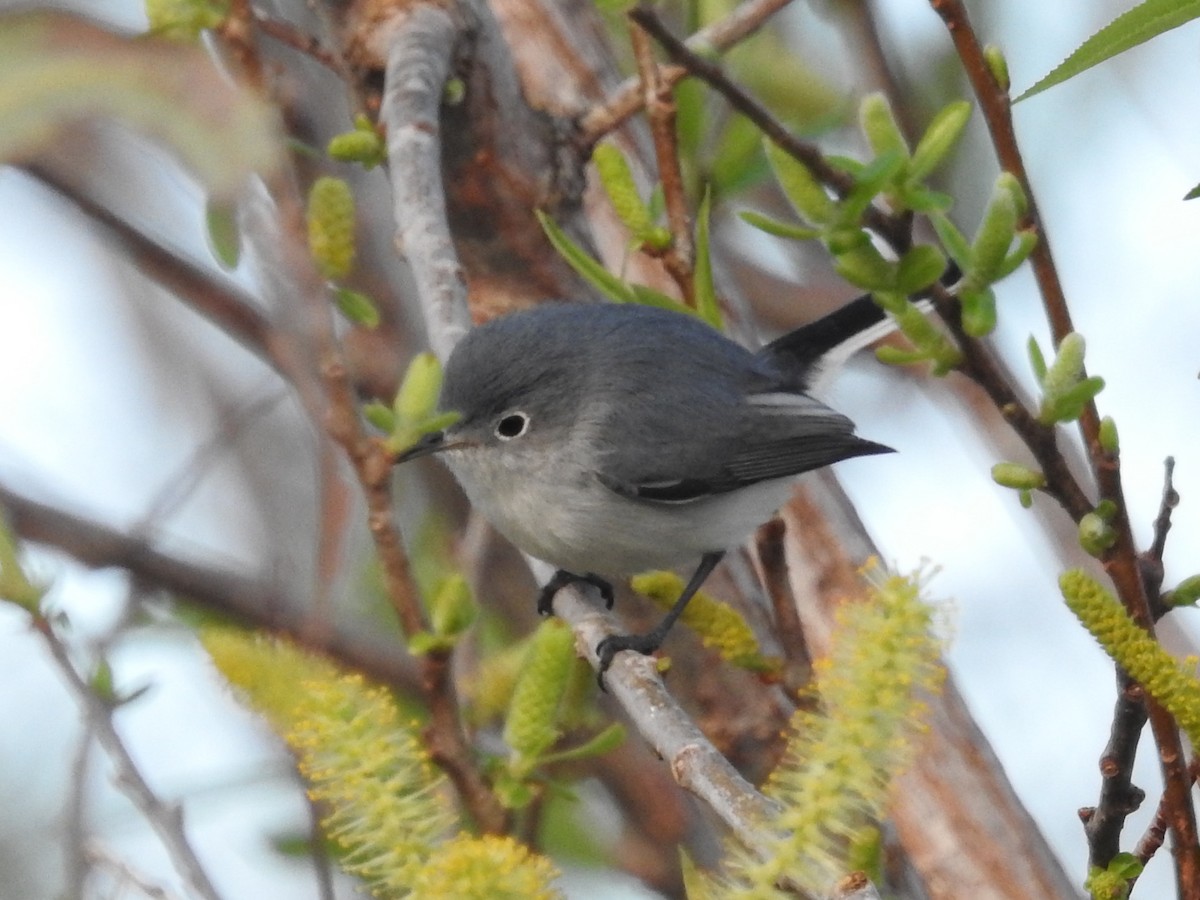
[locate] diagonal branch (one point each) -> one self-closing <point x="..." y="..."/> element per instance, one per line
<point x="742" y="21"/>
<point x="165" y="818"/>
<point x="251" y="601"/>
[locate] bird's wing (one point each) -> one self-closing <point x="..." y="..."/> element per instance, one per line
<point x="769" y="435"/>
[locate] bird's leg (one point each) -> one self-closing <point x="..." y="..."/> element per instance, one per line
<point x="560" y="579"/>
<point x="652" y="640"/>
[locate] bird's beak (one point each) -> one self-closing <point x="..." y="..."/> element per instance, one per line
<point x="433" y="442"/>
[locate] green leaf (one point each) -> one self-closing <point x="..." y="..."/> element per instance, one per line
<point x="978" y="312"/>
<point x="868" y="183"/>
<point x="224" y="238"/>
<point x="617" y="179"/>
<point x="739" y="162"/>
<point x="879" y="126"/>
<point x="650" y="297"/>
<point x="708" y="307"/>
<point x="56" y="70"/>
<point x="1193" y="193"/>
<point x="920" y="267"/>
<point x="589" y="269"/>
<point x="1037" y="359"/>
<point x="939" y="139"/>
<point x="777" y="228"/>
<point x="1017" y="476"/>
<point x="380" y="415"/>
<point x="357" y="307"/>
<point x="608" y="739"/>
<point x="953" y="240"/>
<point x="807" y="196"/>
<point x="1146" y="20"/>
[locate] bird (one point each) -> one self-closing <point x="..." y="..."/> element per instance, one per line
<point x="611" y="439"/>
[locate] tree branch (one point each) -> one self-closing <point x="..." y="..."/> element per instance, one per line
<point x="745" y="19"/>
<point x="1121" y="560"/>
<point x="166" y="819"/>
<point x="251" y="601"/>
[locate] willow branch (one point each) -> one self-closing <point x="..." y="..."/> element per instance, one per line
<point x="1121" y="560"/>
<point x="248" y="600"/>
<point x="892" y="228"/>
<point x="679" y="258"/>
<point x="165" y="818"/>
<point x="745" y="19"/>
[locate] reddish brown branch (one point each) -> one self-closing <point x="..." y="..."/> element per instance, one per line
<point x="679" y="257"/>
<point x="742" y="21"/>
<point x="892" y="228"/>
<point x="248" y="600"/>
<point x="1121" y="560"/>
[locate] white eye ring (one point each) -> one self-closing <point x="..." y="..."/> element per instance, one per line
<point x="512" y="425"/>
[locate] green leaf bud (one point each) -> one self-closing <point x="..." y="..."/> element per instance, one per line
<point x="358" y="146"/>
<point x="1186" y="593"/>
<point x="1095" y="534"/>
<point x="224" y="236"/>
<point x="454" y="91"/>
<point x="879" y="126"/>
<point x="331" y="226"/>
<point x="997" y="65"/>
<point x="1015" y="475"/>
<point x="453" y="609"/>
<point x="1110" y="442"/>
<point x="1037" y="360"/>
<point x="807" y="196"/>
<point x="418" y="394"/>
<point x="380" y="416"/>
<point x="919" y="267"/>
<point x="995" y="236"/>
<point x="978" y="312"/>
<point x="1027" y="239"/>
<point x="865" y="267"/>
<point x="617" y="179"/>
<point x="939" y="139"/>
<point x="778" y="229"/>
<point x="1026" y="498"/>
<point x="1066" y="370"/>
<point x="357" y="307"/>
<point x="952" y="239"/>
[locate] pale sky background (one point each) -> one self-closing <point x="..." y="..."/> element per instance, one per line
<point x="1111" y="154"/>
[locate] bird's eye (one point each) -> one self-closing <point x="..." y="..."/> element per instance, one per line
<point x="511" y="426"/>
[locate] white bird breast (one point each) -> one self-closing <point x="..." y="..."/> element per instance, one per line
<point x="562" y="514"/>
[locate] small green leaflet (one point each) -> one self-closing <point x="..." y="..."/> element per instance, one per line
<point x="1146" y="20"/>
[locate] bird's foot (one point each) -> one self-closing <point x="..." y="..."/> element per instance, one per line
<point x="561" y="578"/>
<point x="608" y="648"/>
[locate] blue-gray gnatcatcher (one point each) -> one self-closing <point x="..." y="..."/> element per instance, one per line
<point x="611" y="439"/>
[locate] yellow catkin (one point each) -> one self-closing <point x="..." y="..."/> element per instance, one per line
<point x="841" y="758"/>
<point x="1139" y="654"/>
<point x="532" y="725"/>
<point x="485" y="868"/>
<point x="331" y="226"/>
<point x="718" y="624"/>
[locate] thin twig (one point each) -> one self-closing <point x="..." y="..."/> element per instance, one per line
<point x="165" y="818"/>
<point x="1151" y="560"/>
<point x="1119" y="796"/>
<point x="893" y="229"/>
<point x="679" y="257"/>
<point x="290" y="36"/>
<point x="742" y="21"/>
<point x="1156" y="831"/>
<point x="788" y="627"/>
